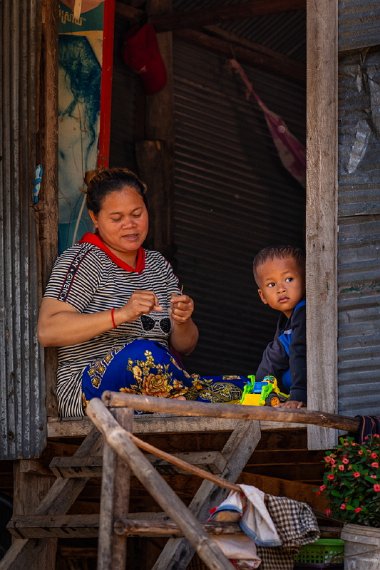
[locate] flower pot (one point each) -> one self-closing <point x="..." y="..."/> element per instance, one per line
<point x="361" y="547"/>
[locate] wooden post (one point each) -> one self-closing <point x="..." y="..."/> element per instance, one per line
<point x="321" y="213"/>
<point x="121" y="442"/>
<point x="29" y="489"/>
<point x="155" y="154"/>
<point x="47" y="207"/>
<point x="114" y="504"/>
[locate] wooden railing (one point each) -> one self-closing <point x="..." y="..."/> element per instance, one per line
<point x="114" y="418"/>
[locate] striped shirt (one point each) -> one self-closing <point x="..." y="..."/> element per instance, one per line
<point x="85" y="277"/>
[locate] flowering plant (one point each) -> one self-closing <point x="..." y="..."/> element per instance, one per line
<point x="351" y="481"/>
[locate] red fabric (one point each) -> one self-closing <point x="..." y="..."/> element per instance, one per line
<point x="96" y="240"/>
<point x="141" y="53"/>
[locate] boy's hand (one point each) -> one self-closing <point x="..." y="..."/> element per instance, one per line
<point x="292" y="405"/>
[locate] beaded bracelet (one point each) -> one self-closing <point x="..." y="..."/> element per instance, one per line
<point x="113" y="318"/>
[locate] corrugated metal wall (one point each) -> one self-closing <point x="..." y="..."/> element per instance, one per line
<point x="232" y="197"/>
<point x="359" y="208"/>
<point x="359" y="24"/>
<point x="22" y="391"/>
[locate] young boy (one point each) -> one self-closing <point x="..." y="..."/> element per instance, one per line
<point x="280" y="275"/>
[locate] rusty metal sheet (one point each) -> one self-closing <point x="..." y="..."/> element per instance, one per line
<point x="22" y="386"/>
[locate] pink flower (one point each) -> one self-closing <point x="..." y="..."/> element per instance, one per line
<point x="358" y="509"/>
<point x="343" y="507"/>
<point x="373" y="455"/>
<point x="373" y="476"/>
<point x="376" y="488"/>
<point x="360" y="452"/>
<point x="322" y="488"/>
<point x="331" y="477"/>
<point x="341" y="467"/>
<point x="328" y="458"/>
<point x="328" y="512"/>
<point x="356" y="474"/>
<point x="345" y="460"/>
<point x="375" y="464"/>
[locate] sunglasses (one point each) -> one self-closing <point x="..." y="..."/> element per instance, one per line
<point x="148" y="323"/>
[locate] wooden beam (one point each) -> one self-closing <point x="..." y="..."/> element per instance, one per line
<point x="245" y="51"/>
<point x="153" y="424"/>
<point x="47" y="206"/>
<point x="203" y="17"/>
<point x="157" y="528"/>
<point x="55" y="526"/>
<point x="322" y="213"/>
<point x="258" y="413"/>
<point x="73" y="467"/>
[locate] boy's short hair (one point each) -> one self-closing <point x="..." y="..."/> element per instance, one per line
<point x="279" y="252"/>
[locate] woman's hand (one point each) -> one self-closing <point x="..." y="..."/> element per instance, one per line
<point x="184" y="335"/>
<point x="182" y="307"/>
<point x="139" y="303"/>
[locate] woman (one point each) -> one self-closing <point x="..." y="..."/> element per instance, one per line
<point x="114" y="309"/>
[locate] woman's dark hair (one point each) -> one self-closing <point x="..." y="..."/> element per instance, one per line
<point x="279" y="252"/>
<point x="103" y="182"/>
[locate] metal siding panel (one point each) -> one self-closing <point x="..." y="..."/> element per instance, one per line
<point x="358" y="242"/>
<point x="359" y="24"/>
<point x="232" y="197"/>
<point x="22" y="388"/>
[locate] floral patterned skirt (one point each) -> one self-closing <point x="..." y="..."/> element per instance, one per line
<point x="147" y="367"/>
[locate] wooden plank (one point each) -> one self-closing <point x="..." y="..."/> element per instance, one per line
<point x="69" y="467"/>
<point x="59" y="526"/>
<point x="239" y="447"/>
<point x="254" y="55"/>
<point x="152" y="423"/>
<point x="149" y="528"/>
<point x="87" y="526"/>
<point x="122" y="443"/>
<point x="28" y="490"/>
<point x="321" y="213"/>
<point x="258" y="413"/>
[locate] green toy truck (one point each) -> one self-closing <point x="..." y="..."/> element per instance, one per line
<point x="264" y="393"/>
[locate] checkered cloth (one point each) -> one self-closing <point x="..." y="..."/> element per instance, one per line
<point x="296" y="525"/>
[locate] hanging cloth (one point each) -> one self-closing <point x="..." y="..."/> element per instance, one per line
<point x="291" y="152"/>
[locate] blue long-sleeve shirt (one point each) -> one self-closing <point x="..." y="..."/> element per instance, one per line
<point x="285" y="356"/>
